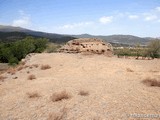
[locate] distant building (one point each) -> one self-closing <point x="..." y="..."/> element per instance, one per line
<point x="92" y="45"/>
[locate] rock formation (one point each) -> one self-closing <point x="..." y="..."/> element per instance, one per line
<point x="90" y="45"/>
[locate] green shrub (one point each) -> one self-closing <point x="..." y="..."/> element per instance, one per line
<point x="13" y="52"/>
<point x="13" y="61"/>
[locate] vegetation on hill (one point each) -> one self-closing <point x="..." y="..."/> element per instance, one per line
<point x="13" y="52"/>
<point x="152" y="50"/>
<point x="58" y="38"/>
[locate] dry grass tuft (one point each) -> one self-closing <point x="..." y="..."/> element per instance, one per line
<point x="33" y="94"/>
<point x="20" y="68"/>
<point x="151" y="82"/>
<point x="62" y="115"/>
<point x="11" y="71"/>
<point x="2" y="78"/>
<point x="44" y="67"/>
<point x="30" y="67"/>
<point x="31" y="77"/>
<point x="60" y="96"/>
<point x="129" y="70"/>
<point x="83" y="93"/>
<point x="35" y="65"/>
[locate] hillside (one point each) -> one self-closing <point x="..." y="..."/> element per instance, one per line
<point x="119" y="39"/>
<point x="9" y="33"/>
<point x="17" y="33"/>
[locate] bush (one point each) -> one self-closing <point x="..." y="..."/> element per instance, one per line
<point x="13" y="61"/>
<point x="83" y="93"/>
<point x="44" y="67"/>
<point x="60" y="96"/>
<point x="31" y="77"/>
<point x="33" y="94"/>
<point x="154" y="49"/>
<point x="151" y="82"/>
<point x="13" y="52"/>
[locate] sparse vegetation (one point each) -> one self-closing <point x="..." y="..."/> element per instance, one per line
<point x="129" y="70"/>
<point x="31" y="77"/>
<point x="33" y="94"/>
<point x="35" y="65"/>
<point x="150" y="51"/>
<point x="60" y="96"/>
<point x="83" y="93"/>
<point x="44" y="67"/>
<point x="19" y="68"/>
<point x="151" y="82"/>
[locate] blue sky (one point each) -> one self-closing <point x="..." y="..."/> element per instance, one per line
<point x="97" y="17"/>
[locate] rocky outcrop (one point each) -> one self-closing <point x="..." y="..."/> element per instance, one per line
<point x="91" y="45"/>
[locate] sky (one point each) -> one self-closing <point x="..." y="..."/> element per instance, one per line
<point x="97" y="17"/>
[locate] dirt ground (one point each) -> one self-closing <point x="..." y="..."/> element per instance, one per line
<point x="113" y="86"/>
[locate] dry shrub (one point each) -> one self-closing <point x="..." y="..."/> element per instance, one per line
<point x="28" y="72"/>
<point x="151" y="82"/>
<point x="60" y="96"/>
<point x="44" y="67"/>
<point x="30" y="67"/>
<point x="2" y="78"/>
<point x="61" y="115"/>
<point x="31" y="77"/>
<point x="11" y="71"/>
<point x="35" y="65"/>
<point x="20" y="68"/>
<point x="129" y="70"/>
<point x="15" y="77"/>
<point x="83" y="93"/>
<point x="33" y="94"/>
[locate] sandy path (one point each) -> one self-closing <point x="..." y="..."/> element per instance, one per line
<point x="114" y="93"/>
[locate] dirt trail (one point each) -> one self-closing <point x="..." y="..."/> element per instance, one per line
<point x="114" y="87"/>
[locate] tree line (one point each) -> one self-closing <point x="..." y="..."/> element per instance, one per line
<point x="13" y="52"/>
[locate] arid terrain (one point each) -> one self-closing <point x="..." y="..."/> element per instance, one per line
<point x="55" y="86"/>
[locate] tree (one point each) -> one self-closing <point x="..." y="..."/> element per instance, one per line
<point x="154" y="49"/>
<point x="13" y="52"/>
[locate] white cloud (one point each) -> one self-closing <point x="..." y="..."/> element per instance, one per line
<point x="133" y="16"/>
<point x="23" y="21"/>
<point x="158" y="9"/>
<point x="150" y="17"/>
<point x="75" y="25"/>
<point x="106" y="19"/>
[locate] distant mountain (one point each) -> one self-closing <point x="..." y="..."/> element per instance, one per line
<point x="10" y="33"/>
<point x="119" y="39"/>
